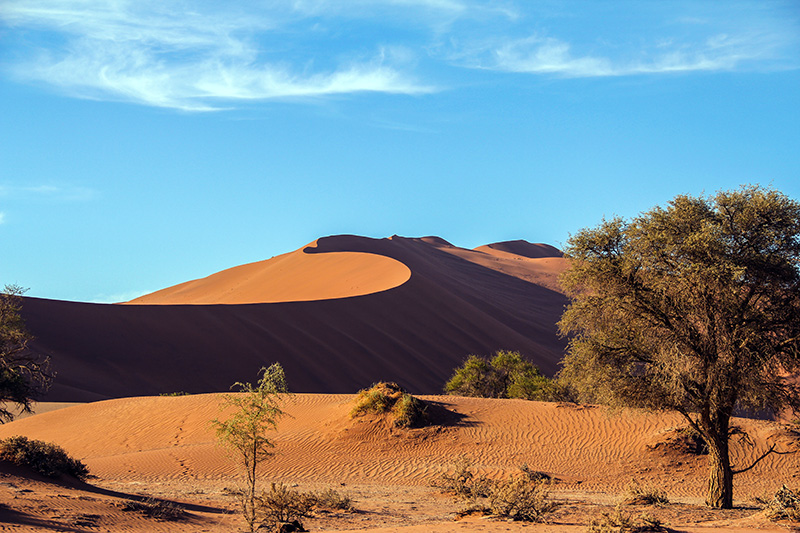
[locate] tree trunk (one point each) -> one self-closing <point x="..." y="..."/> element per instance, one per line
<point x="720" y="473"/>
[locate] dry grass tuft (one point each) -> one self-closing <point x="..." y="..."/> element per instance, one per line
<point x="387" y="397"/>
<point x="281" y="504"/>
<point x="522" y="497"/>
<point x="462" y="482"/>
<point x="637" y="494"/>
<point x="154" y="508"/>
<point x="618" y="521"/>
<point x="785" y="505"/>
<point x="332" y="500"/>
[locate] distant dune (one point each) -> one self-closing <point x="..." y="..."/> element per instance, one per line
<point x="339" y="315"/>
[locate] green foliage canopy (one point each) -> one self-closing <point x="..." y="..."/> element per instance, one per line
<point x="506" y="375"/>
<point x="694" y="308"/>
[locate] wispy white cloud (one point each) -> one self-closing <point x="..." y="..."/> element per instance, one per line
<point x="204" y="55"/>
<point x="537" y="55"/>
<point x="2" y="217"/>
<point x="163" y="54"/>
<point x="60" y="193"/>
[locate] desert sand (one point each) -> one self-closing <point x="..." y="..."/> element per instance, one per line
<point x="298" y="276"/>
<point x="407" y="310"/>
<point x="163" y="447"/>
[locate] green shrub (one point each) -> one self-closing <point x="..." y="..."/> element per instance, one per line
<point x="47" y="459"/>
<point x="386" y="397"/>
<point x="506" y="375"/>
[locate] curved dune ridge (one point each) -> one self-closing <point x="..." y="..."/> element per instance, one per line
<point x="521" y="248"/>
<point x="444" y="303"/>
<point x="298" y="276"/>
<point x="155" y="439"/>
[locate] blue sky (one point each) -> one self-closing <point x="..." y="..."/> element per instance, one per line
<point x="145" y="143"/>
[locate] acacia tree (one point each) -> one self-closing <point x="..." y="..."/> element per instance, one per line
<point x="694" y="308"/>
<point x="23" y="374"/>
<point x="255" y="412"/>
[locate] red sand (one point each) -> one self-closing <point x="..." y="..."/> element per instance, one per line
<point x="456" y="302"/>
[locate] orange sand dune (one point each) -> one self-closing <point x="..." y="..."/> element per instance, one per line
<point x="166" y="444"/>
<point x="456" y="302"/>
<point x="162" y="438"/>
<point x="298" y="276"/>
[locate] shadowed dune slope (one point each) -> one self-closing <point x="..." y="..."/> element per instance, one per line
<point x="456" y="302"/>
<point x="521" y="248"/>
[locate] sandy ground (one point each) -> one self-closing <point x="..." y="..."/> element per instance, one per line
<point x="163" y="447"/>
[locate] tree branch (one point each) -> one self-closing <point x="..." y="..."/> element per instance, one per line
<point x="771" y="450"/>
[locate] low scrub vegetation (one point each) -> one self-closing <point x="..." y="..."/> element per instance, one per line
<point x="45" y="458"/>
<point x="462" y="482"/>
<point x="619" y="521"/>
<point x="784" y="505"/>
<point x="283" y="505"/>
<point x="505" y="375"/>
<point x="638" y="494"/>
<point x="333" y="500"/>
<point x="406" y="410"/>
<point x="520" y="497"/>
<point x="154" y="508"/>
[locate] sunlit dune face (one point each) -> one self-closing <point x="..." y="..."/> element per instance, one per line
<point x="292" y="277"/>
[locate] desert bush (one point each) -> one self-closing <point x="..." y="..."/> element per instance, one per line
<point x="618" y="521"/>
<point x="784" y="505"/>
<point x="506" y="375"/>
<point x="45" y="458"/>
<point x="256" y="411"/>
<point x="534" y="475"/>
<point x="154" y="508"/>
<point x="638" y="494"/>
<point x="462" y="482"/>
<point x="332" y="500"/>
<point x="281" y="504"/>
<point x="521" y="498"/>
<point x="387" y="397"/>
